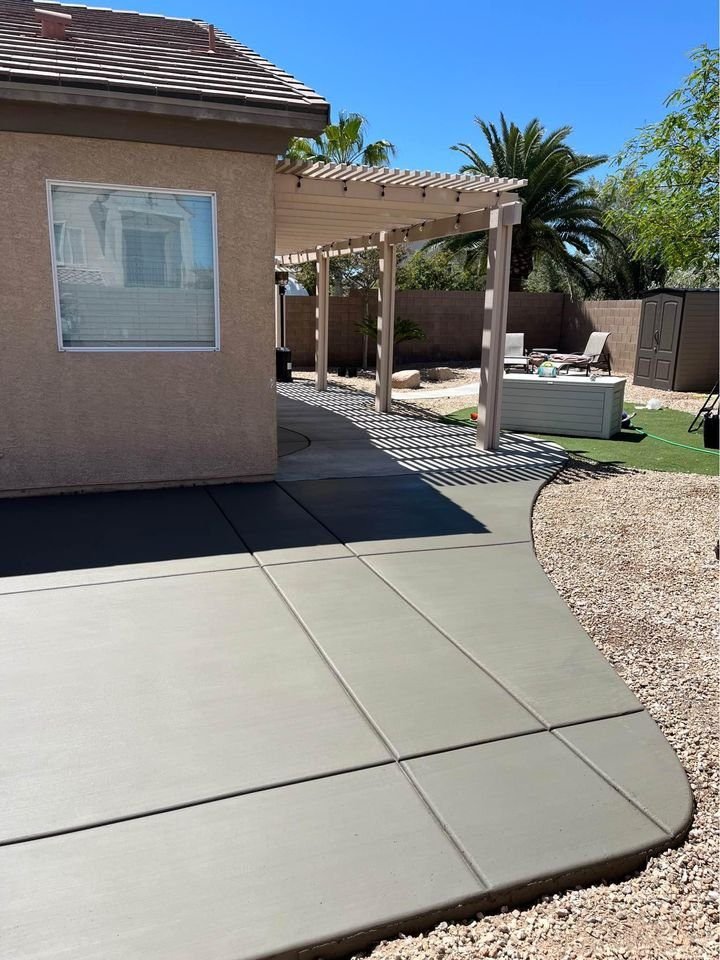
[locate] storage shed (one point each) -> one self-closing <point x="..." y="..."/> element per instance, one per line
<point x="678" y="340"/>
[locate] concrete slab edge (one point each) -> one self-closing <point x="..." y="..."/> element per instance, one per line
<point x="488" y="902"/>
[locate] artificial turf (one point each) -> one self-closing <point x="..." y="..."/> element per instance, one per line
<point x="631" y="448"/>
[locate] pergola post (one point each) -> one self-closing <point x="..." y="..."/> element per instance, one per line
<point x="278" y="328"/>
<point x="321" y="321"/>
<point x="385" y="325"/>
<point x="502" y="221"/>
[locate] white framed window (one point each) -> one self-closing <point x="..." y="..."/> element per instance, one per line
<point x="134" y="268"/>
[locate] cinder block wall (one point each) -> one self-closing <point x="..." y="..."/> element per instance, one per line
<point x="452" y="320"/>
<point x="697" y="361"/>
<point x="620" y="317"/>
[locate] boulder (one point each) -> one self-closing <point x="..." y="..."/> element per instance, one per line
<point x="439" y="373"/>
<point x="406" y="380"/>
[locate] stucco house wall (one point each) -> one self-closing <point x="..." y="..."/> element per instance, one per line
<point x="88" y="420"/>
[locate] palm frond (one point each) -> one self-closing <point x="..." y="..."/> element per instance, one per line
<point x="562" y="219"/>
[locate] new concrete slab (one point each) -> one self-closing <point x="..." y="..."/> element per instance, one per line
<point x="632" y="753"/>
<point x="500" y="607"/>
<point x="526" y="809"/>
<point x="309" y="865"/>
<point x="124" y="698"/>
<point x="125" y="571"/>
<point x="76" y="531"/>
<point x="418" y="689"/>
<point x="410" y="513"/>
<point x="277" y="742"/>
<point x="291" y="535"/>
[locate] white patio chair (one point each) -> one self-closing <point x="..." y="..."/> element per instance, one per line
<point x="515" y="351"/>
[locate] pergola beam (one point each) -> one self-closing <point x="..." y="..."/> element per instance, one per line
<point x="468" y="222"/>
<point x="393" y="189"/>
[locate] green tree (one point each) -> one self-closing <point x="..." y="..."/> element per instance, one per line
<point x="355" y="271"/>
<point x="619" y="271"/>
<point x="561" y="218"/>
<point x="611" y="270"/>
<point x="669" y="174"/>
<point x="436" y="270"/>
<point x="405" y="329"/>
<point x="342" y="142"/>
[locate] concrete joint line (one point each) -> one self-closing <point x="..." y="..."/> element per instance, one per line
<point x="428" y="620"/>
<point x="460" y="647"/>
<point x="394" y="754"/>
<point x="623" y="793"/>
<point x="216" y="798"/>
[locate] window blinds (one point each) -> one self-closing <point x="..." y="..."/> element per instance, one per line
<point x="134" y="268"/>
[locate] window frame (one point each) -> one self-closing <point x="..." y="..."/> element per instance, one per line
<point x="215" y="348"/>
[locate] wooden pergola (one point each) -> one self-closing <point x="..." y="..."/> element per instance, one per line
<point x="329" y="209"/>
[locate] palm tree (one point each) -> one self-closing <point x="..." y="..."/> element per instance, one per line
<point x="342" y="142"/>
<point x="561" y="217"/>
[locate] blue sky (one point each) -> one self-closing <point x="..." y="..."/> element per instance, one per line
<point x="421" y="71"/>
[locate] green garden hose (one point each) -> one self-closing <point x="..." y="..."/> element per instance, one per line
<point x="674" y="443"/>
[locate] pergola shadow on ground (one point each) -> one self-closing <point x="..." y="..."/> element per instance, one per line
<point x="336" y="707"/>
<point x="344" y="422"/>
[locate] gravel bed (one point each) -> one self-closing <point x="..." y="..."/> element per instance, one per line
<point x="632" y="553"/>
<point x="689" y="402"/>
<point x="365" y="380"/>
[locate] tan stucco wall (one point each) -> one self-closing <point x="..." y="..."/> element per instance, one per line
<point x="94" y="419"/>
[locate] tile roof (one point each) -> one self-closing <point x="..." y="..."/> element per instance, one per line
<point x="145" y="55"/>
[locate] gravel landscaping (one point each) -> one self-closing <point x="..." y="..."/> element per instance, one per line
<point x="464" y="375"/>
<point x="632" y="553"/>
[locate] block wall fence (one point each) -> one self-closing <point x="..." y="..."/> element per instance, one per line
<point x="452" y="321"/>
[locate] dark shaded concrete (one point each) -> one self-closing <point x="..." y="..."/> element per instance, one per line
<point x="76" y="531"/>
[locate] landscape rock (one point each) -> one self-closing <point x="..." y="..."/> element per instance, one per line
<point x="439" y="373"/>
<point x="406" y="380"/>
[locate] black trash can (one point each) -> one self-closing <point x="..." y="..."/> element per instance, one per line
<point x="283" y="364"/>
<point x="710" y="431"/>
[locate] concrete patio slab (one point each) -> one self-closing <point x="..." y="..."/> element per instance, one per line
<point x="126" y="571"/>
<point x="293" y="534"/>
<point x="526" y="809"/>
<point x="288" y="720"/>
<point x="264" y="875"/>
<point x="290" y="441"/>
<point x="125" y="698"/>
<point x="498" y="605"/>
<point x="416" y="687"/>
<point x="75" y="531"/>
<point x="408" y="513"/>
<point x="349" y="439"/>
<point x="632" y="754"/>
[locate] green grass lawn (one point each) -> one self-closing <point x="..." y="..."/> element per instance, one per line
<point x="631" y="449"/>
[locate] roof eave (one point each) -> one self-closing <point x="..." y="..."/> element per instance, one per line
<point x="294" y="119"/>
